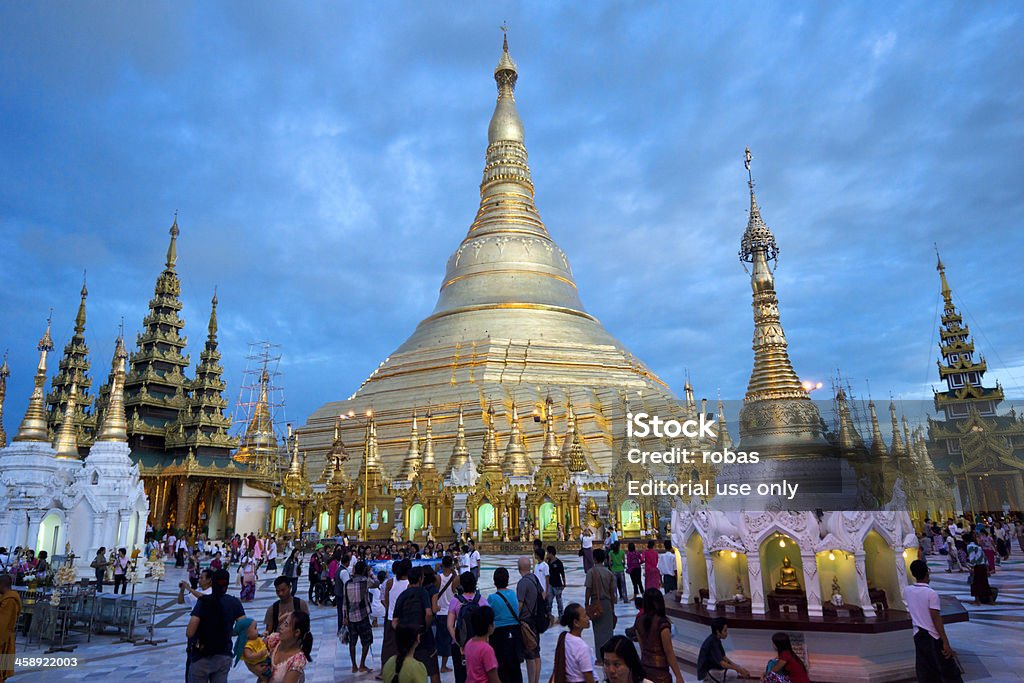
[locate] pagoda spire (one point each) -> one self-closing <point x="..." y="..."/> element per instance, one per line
<point x="849" y="438"/>
<point x="156" y="391"/>
<point x="33" y="425"/>
<point x="958" y="368"/>
<point x="114" y="427"/>
<point x="551" y="455"/>
<point x="878" y="448"/>
<point x="73" y="370"/>
<point x="773" y="376"/>
<point x="429" y="463"/>
<point x="5" y="372"/>
<point x="897" y="449"/>
<point x="517" y="463"/>
<point x="490" y="460"/>
<point x="724" y="440"/>
<point x="202" y="425"/>
<point x="370" y="467"/>
<point x="411" y="464"/>
<point x="66" y="444"/>
<point x="572" y="448"/>
<point x="460" y="452"/>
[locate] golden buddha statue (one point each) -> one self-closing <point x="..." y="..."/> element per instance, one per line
<point x="787" y="579"/>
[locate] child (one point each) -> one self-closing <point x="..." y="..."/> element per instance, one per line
<point x="376" y="606"/>
<point x="252" y="649"/>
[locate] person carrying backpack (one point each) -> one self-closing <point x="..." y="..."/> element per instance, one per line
<point x="534" y="616"/>
<point x="460" y="612"/>
<point x="210" y="628"/>
<point x="414" y="608"/>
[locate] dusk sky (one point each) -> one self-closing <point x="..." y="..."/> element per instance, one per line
<point x="325" y="161"/>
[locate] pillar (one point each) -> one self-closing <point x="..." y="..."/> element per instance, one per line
<point x="123" y="525"/>
<point x="712" y="583"/>
<point x="181" y="514"/>
<point x="35" y="518"/>
<point x="97" y="537"/>
<point x="231" y="512"/>
<point x="863" y="597"/>
<point x="812" y="587"/>
<point x="1018" y="492"/>
<point x="756" y="584"/>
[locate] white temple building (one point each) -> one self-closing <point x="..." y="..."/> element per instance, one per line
<point x="57" y="502"/>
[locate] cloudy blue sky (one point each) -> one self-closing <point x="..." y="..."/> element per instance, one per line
<point x="325" y="159"/>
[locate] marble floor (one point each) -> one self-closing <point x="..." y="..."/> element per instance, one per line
<point x="989" y="645"/>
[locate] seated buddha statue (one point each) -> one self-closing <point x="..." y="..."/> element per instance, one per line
<point x="787" y="578"/>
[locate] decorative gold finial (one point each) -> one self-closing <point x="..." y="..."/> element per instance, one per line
<point x="33" y="425"/>
<point x="5" y="372"/>
<point x="114" y="427"/>
<point x="172" y="248"/>
<point x="212" y="327"/>
<point x="67" y="443"/>
<point x="947" y="292"/>
<point x="80" y="318"/>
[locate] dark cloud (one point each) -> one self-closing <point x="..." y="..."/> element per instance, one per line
<point x="325" y="160"/>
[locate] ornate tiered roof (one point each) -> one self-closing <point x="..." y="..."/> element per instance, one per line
<point x="73" y="371"/>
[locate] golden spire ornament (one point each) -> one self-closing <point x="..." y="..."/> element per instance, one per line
<point x="114" y="427"/>
<point x="460" y="451"/>
<point x="5" y="372"/>
<point x="428" y="464"/>
<point x="67" y="442"/>
<point x="517" y="463"/>
<point x="411" y="464"/>
<point x="33" y="425"/>
<point x="878" y="448"/>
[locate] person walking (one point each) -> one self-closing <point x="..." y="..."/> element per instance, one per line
<point x="599" y="597"/>
<point x="460" y="612"/>
<point x="481" y="662"/>
<point x="354" y="604"/>
<point x="210" y="628"/>
<point x="293" y="569"/>
<point x="557" y="579"/>
<point x="935" y="659"/>
<point x="667" y="568"/>
<point x="449" y="585"/>
<point x="286" y="604"/>
<point x="413" y="608"/>
<point x="652" y="574"/>
<point x="574" y="660"/>
<point x="99" y="565"/>
<point x="10" y="608"/>
<point x="530" y="595"/>
<point x="392" y="591"/>
<point x="272" y="554"/>
<point x="617" y="565"/>
<point x="506" y="638"/>
<point x="587" y="548"/>
<point x="121" y="571"/>
<point x="634" y="567"/>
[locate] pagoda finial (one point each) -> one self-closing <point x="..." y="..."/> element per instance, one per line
<point x="114" y="426"/>
<point x="5" y="372"/>
<point x="517" y="463"/>
<point x="67" y="444"/>
<point x="878" y="448"/>
<point x="411" y="464"/>
<point x="505" y="122"/>
<point x="947" y="292"/>
<point x="849" y="438"/>
<point x="724" y="438"/>
<point x="460" y="452"/>
<point x="550" y="454"/>
<point x="428" y="464"/>
<point x="80" y="318"/>
<point x="772" y="377"/>
<point x="172" y="248"/>
<point x="897" y="449"/>
<point x="212" y="327"/>
<point x="490" y="460"/>
<point x="33" y="425"/>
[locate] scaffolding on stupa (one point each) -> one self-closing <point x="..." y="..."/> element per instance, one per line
<point x="261" y="412"/>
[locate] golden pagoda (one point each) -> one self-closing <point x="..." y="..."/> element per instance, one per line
<point x="509" y="329"/>
<point x="74" y="371"/>
<point x="974" y="448"/>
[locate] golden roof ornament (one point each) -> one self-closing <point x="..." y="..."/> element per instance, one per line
<point x="551" y="454"/>
<point x="897" y="449"/>
<point x="878" y="447"/>
<point x="33" y="425"/>
<point x="849" y="438"/>
<point x="724" y="440"/>
<point x="570" y="434"/>
<point x="490" y="459"/>
<point x="80" y="317"/>
<point x="212" y="326"/>
<point x="172" y="247"/>
<point x="429" y="464"/>
<point x="67" y="443"/>
<point x="517" y="463"/>
<point x="411" y="463"/>
<point x="114" y="426"/>
<point x="460" y="451"/>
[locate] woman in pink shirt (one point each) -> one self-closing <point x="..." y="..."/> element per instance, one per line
<point x="481" y="662"/>
<point x="634" y="561"/>
<point x="652" y="577"/>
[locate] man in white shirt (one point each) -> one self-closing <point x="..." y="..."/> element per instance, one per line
<point x="474" y="560"/>
<point x="542" y="571"/>
<point x="667" y="568"/>
<point x="935" y="658"/>
<point x="587" y="545"/>
<point x="464" y="560"/>
<point x="187" y="596"/>
<point x="272" y="554"/>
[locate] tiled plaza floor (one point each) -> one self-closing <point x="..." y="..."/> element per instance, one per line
<point x="989" y="645"/>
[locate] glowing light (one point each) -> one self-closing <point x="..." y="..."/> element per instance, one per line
<point x="810" y="385"/>
<point x="831" y="556"/>
<point x="733" y="554"/>
<point x="906" y="553"/>
<point x="782" y="543"/>
<point x="369" y="413"/>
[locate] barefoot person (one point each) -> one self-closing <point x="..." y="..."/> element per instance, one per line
<point x="935" y="658"/>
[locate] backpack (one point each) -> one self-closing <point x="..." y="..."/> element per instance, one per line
<point x="210" y="638"/>
<point x="542" y="614"/>
<point x="289" y="568"/>
<point x="276" y="612"/>
<point x="339" y="585"/>
<point x="463" y="627"/>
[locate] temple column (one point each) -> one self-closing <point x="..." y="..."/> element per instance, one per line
<point x="812" y="587"/>
<point x="756" y="585"/>
<point x="1018" y="492"/>
<point x="35" y="518"/>
<point x="123" y="525"/>
<point x="6" y="532"/>
<point x="97" y="537"/>
<point x="863" y="597"/>
<point x="230" y="521"/>
<point x="712" y="583"/>
<point x="901" y="577"/>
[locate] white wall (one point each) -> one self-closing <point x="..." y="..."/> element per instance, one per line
<point x="253" y="509"/>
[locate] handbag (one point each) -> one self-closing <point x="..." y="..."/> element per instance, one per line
<point x="530" y="640"/>
<point x="594" y="609"/>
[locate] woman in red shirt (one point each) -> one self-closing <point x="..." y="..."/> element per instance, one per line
<point x="652" y="577"/>
<point x="788" y="664"/>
